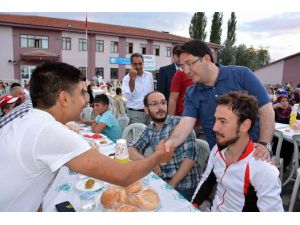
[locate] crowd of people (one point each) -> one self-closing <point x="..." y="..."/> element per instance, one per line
<point x="233" y="108"/>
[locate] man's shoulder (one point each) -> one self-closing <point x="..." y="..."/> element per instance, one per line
<point x="167" y="67"/>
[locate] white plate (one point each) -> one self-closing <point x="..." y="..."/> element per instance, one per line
<point x="107" y="142"/>
<point x="97" y="185"/>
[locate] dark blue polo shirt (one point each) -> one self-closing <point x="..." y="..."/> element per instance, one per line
<point x="200" y="101"/>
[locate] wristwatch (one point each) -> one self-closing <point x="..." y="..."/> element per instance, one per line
<point x="267" y="145"/>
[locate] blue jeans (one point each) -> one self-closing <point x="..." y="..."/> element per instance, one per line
<point x="187" y="193"/>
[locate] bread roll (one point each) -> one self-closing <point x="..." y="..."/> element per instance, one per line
<point x="121" y="196"/>
<point x="149" y="199"/>
<point x="126" y="208"/>
<point x="134" y="187"/>
<point x="109" y="198"/>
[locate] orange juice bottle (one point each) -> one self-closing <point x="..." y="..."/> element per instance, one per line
<point x="122" y="155"/>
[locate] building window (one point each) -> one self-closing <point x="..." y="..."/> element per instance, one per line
<point x="129" y="48"/>
<point x="66" y="42"/>
<point x="33" y="41"/>
<point x="156" y="50"/>
<point x="113" y="73"/>
<point x="82" y="44"/>
<point x="143" y="49"/>
<point x="99" y="71"/>
<point x="168" y="51"/>
<point x="113" y="47"/>
<point x="83" y="70"/>
<point x="99" y="46"/>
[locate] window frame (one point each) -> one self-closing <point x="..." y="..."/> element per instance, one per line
<point x="100" y="43"/>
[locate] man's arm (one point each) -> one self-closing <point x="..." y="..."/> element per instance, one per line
<point x="98" y="127"/>
<point x="94" y="164"/>
<point x="185" y="167"/>
<point x="134" y="154"/>
<point x="267" y="125"/>
<point x="173" y="103"/>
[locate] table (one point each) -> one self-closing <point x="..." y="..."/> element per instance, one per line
<point x="64" y="189"/>
<point x="287" y="132"/>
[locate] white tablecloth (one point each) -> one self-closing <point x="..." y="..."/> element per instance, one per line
<point x="64" y="189"/>
<point x="286" y="131"/>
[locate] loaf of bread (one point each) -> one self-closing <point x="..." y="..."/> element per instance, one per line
<point x="126" y="208"/>
<point x="134" y="187"/>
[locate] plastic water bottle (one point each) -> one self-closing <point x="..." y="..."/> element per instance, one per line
<point x="293" y="115"/>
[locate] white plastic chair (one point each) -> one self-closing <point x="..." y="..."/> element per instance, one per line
<point x="123" y="122"/>
<point x="277" y="160"/>
<point x="295" y="191"/>
<point x="204" y="152"/>
<point x="295" y="160"/>
<point x="132" y="131"/>
<point x="87" y="113"/>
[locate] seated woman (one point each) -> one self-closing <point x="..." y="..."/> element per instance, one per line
<point x="105" y="122"/>
<point x="282" y="115"/>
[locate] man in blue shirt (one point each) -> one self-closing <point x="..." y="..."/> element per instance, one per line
<point x="105" y="121"/>
<point x="182" y="172"/>
<point x="210" y="81"/>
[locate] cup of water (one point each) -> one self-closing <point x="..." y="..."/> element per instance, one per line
<point x="88" y="203"/>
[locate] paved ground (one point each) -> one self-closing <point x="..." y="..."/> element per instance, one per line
<point x="286" y="197"/>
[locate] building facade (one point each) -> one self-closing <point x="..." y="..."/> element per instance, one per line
<point x="285" y="70"/>
<point x="27" y="41"/>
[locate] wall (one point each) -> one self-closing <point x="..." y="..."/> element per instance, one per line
<point x="291" y="71"/>
<point x="271" y="74"/>
<point x="6" y="50"/>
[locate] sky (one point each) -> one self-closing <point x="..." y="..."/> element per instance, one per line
<point x="278" y="32"/>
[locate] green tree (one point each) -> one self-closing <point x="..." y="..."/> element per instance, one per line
<point x="197" y="26"/>
<point x="216" y="28"/>
<point x="231" y="30"/>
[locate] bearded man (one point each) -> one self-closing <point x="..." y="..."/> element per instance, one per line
<point x="243" y="183"/>
<point x="181" y="172"/>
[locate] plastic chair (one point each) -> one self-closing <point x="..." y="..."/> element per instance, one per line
<point x="123" y="122"/>
<point x="295" y="161"/>
<point x="277" y="160"/>
<point x="295" y="191"/>
<point x="132" y="131"/>
<point x="204" y="151"/>
<point x="87" y="113"/>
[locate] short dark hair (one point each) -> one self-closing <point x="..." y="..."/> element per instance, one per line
<point x="196" y="48"/>
<point x="175" y="49"/>
<point x="102" y="98"/>
<point x="243" y="105"/>
<point x="138" y="55"/>
<point x="146" y="103"/>
<point x="49" y="79"/>
<point x="118" y="91"/>
<point x="15" y="84"/>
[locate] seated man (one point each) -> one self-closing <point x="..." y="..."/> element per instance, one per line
<point x="182" y="172"/>
<point x="105" y="122"/>
<point x="243" y="183"/>
<point x="120" y="104"/>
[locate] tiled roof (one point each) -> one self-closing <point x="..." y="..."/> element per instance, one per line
<point x="101" y="28"/>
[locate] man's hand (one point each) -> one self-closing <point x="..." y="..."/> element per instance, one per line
<point x="132" y="73"/>
<point x="157" y="170"/>
<point x="164" y="156"/>
<point x="261" y="152"/>
<point x="169" y="145"/>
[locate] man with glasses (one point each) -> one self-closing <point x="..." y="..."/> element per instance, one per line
<point x="181" y="172"/>
<point x="136" y="84"/>
<point x="210" y="81"/>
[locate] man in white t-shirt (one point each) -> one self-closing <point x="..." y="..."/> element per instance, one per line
<point x="34" y="147"/>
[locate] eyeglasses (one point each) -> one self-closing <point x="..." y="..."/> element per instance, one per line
<point x="188" y="64"/>
<point x="162" y="102"/>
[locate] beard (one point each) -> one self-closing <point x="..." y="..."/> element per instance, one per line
<point x="155" y="119"/>
<point x="225" y="143"/>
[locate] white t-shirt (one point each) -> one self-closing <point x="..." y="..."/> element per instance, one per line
<point x="143" y="86"/>
<point x="32" y="149"/>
